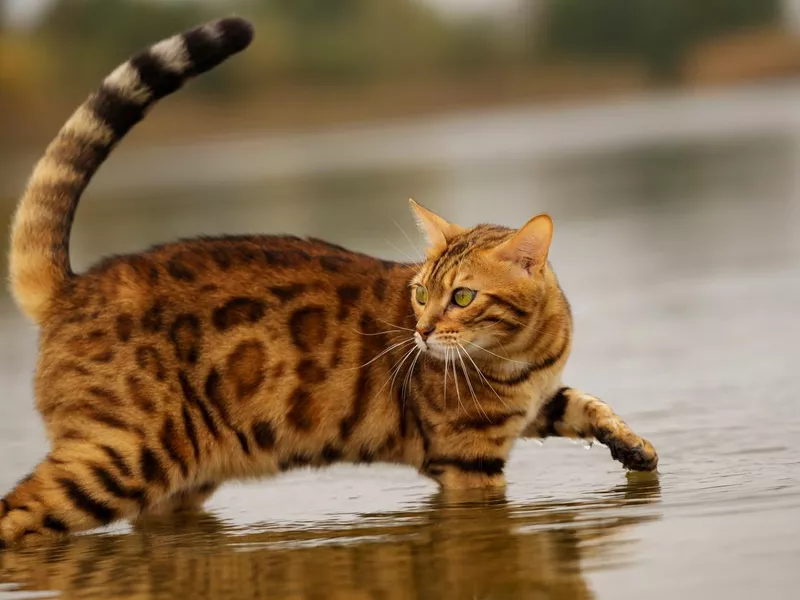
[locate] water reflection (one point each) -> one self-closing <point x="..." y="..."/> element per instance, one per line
<point x="474" y="545"/>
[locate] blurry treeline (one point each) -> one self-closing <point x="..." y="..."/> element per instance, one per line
<point x="332" y="60"/>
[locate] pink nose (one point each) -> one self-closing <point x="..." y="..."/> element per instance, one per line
<point x="425" y="331"/>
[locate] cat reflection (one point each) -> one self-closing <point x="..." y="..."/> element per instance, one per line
<point x="454" y="546"/>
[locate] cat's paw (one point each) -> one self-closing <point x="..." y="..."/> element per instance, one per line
<point x="25" y="526"/>
<point x="635" y="453"/>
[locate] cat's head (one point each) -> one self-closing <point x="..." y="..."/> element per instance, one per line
<point x="480" y="290"/>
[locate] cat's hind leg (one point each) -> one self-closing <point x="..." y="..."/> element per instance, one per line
<point x="187" y="500"/>
<point x="82" y="485"/>
<point x="575" y="414"/>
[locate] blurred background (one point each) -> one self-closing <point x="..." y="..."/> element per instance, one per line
<point x="664" y="138"/>
<point x="342" y="61"/>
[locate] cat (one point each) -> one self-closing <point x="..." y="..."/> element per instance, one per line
<point x="163" y="374"/>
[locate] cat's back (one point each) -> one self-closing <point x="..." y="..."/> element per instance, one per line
<point x="207" y="307"/>
<point x="200" y="273"/>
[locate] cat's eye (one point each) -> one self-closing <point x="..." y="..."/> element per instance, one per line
<point x="422" y="295"/>
<point x="463" y="297"/>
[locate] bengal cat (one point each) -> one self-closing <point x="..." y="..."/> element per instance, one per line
<point x="162" y="374"/>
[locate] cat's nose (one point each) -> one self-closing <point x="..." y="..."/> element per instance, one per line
<point x="425" y="330"/>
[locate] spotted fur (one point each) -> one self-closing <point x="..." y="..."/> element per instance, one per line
<point x="165" y="373"/>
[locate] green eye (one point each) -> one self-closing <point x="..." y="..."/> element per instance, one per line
<point x="422" y="295"/>
<point x="463" y="296"/>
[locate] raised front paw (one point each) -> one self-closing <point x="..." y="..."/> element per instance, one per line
<point x="635" y="453"/>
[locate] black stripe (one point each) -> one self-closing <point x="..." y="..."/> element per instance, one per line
<point x="526" y="373"/>
<point x="553" y="412"/>
<point x="203" y="51"/>
<point x="193" y="398"/>
<point x="106" y="419"/>
<point x="365" y="455"/>
<point x="480" y="239"/>
<point x="191" y="433"/>
<point x="511" y="326"/>
<point x="295" y="461"/>
<point x="456" y="255"/>
<point x="155" y="76"/>
<point x="519" y="378"/>
<point x="152" y="469"/>
<point x="3" y="506"/>
<point x="54" y="524"/>
<point x="236" y="35"/>
<point x="114" y="487"/>
<point x="243" y="442"/>
<point x="363" y="389"/>
<point x="206" y="50"/>
<point x="115" y="111"/>
<point x="485" y="421"/>
<point x="285" y="293"/>
<point x="331" y="453"/>
<point x="111" y="485"/>
<point x="100" y="511"/>
<point x="483" y="464"/>
<point x="170" y="443"/>
<point x="207" y="488"/>
<point x="445" y="257"/>
<point x="118" y="461"/>
<point x="213" y="391"/>
<point x="519" y="312"/>
<point x="553" y="359"/>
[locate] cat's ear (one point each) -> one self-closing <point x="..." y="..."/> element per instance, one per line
<point x="529" y="246"/>
<point x="438" y="231"/>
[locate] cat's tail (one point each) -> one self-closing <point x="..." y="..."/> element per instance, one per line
<point x="40" y="233"/>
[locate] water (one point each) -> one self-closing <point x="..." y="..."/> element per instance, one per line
<point x="681" y="257"/>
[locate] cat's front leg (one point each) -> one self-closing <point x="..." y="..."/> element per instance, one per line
<point x="468" y="453"/>
<point x="456" y="472"/>
<point x="575" y="414"/>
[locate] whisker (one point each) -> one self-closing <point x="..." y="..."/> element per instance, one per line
<point x="407" y="381"/>
<point x="492" y="324"/>
<point x="446" y="360"/>
<point x="469" y="383"/>
<point x="398" y="369"/>
<point x="497" y="355"/>
<point x="387" y="332"/>
<point x="395" y="326"/>
<point x="389" y="349"/>
<point x="501" y="345"/>
<point x="458" y="393"/>
<point x="409" y="241"/>
<point x="393" y="373"/>
<point x="411" y="260"/>
<point x="483" y="377"/>
<point x="513" y="320"/>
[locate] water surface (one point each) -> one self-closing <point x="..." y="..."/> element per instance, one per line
<point x="681" y="257"/>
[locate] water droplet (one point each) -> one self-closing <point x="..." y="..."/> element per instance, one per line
<point x="588" y="444"/>
<point x="540" y="442"/>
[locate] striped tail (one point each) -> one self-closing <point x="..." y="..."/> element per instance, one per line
<point x="40" y="234"/>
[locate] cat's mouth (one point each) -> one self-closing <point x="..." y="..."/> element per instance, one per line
<point x="435" y="347"/>
<point x="421" y="343"/>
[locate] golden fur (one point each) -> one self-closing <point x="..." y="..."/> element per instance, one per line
<point x="165" y="373"/>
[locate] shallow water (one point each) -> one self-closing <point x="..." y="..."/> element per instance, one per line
<point x="682" y="262"/>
